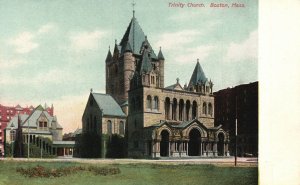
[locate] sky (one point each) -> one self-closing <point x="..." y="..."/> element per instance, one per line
<point x="54" y="51"/>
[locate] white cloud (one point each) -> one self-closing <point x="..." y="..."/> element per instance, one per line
<point x="86" y="40"/>
<point x="192" y="54"/>
<point x="176" y="40"/>
<point x="46" y="28"/>
<point x="23" y="42"/>
<point x="246" y="49"/>
<point x="11" y="63"/>
<point x="55" y="76"/>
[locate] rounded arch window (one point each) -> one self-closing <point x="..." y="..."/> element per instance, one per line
<point x="204" y="108"/>
<point x="210" y="109"/>
<point x="149" y="102"/>
<point x="155" y="105"/>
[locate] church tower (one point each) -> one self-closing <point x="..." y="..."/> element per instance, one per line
<point x="133" y="54"/>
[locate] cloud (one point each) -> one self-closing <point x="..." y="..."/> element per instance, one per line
<point x="176" y="40"/>
<point x="11" y="63"/>
<point x="54" y="76"/>
<point x="23" y="42"/>
<point x="46" y="28"/>
<point x="191" y="54"/>
<point x="86" y="40"/>
<point x="246" y="49"/>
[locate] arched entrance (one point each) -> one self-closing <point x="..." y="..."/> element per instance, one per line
<point x="194" y="143"/>
<point x="221" y="144"/>
<point x="164" y="143"/>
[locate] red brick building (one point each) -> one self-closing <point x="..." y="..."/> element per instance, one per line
<point x="239" y="102"/>
<point x="8" y="112"/>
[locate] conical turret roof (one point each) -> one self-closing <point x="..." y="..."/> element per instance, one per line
<point x="109" y="56"/>
<point x="160" y="55"/>
<point x="135" y="36"/>
<point x="198" y="75"/>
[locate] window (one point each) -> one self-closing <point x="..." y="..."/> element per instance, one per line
<point x="40" y="124"/>
<point x="155" y="105"/>
<point x="204" y="111"/>
<point x="12" y="135"/>
<point x="148" y="102"/>
<point x="210" y="109"/>
<point x="121" y="128"/>
<point x="109" y="127"/>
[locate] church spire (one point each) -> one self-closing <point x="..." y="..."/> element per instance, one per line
<point x="160" y="56"/>
<point x="198" y="75"/>
<point x="109" y="56"/>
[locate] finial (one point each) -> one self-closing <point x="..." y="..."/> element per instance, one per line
<point x="197" y="59"/>
<point x="109" y="47"/>
<point x="177" y="79"/>
<point x="145" y="37"/>
<point x="159" y="47"/>
<point x="91" y="90"/>
<point x="133" y="4"/>
<point x="115" y="41"/>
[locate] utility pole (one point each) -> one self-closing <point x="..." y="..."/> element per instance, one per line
<point x="28" y="140"/>
<point x="235" y="156"/>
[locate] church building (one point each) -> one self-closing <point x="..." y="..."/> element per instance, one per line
<point x="172" y="121"/>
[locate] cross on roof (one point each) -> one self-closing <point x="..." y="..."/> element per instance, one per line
<point x="133" y="4"/>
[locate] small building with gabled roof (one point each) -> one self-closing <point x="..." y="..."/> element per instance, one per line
<point x="39" y="130"/>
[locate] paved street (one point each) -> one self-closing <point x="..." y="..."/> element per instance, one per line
<point x="229" y="161"/>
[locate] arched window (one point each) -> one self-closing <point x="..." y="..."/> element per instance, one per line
<point x="194" y="110"/>
<point x="167" y="108"/>
<point x="155" y="105"/>
<point x="204" y="108"/>
<point x="188" y="105"/>
<point x="174" y="108"/>
<point x="109" y="127"/>
<point x="149" y="102"/>
<point x="181" y="105"/>
<point x="121" y="128"/>
<point x="210" y="109"/>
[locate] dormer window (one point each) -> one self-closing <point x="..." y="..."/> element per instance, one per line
<point x="43" y="124"/>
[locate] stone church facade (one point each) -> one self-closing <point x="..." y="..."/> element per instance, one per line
<point x="171" y="121"/>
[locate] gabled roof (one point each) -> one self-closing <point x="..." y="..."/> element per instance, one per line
<point x="135" y="36"/>
<point x="14" y="121"/>
<point x="175" y="87"/>
<point x="108" y="104"/>
<point x="198" y="75"/>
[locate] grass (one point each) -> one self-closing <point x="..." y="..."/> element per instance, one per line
<point x="132" y="174"/>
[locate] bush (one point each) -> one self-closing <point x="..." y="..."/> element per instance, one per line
<point x="40" y="171"/>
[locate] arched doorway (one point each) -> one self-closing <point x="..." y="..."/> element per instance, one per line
<point x="194" y="142"/>
<point x="164" y="143"/>
<point x="220" y="144"/>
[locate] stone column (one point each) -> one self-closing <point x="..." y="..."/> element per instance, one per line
<point x="187" y="148"/>
<point x="190" y="112"/>
<point x="215" y="149"/>
<point x="200" y="147"/>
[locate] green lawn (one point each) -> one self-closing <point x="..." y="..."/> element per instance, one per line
<point x="134" y="174"/>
